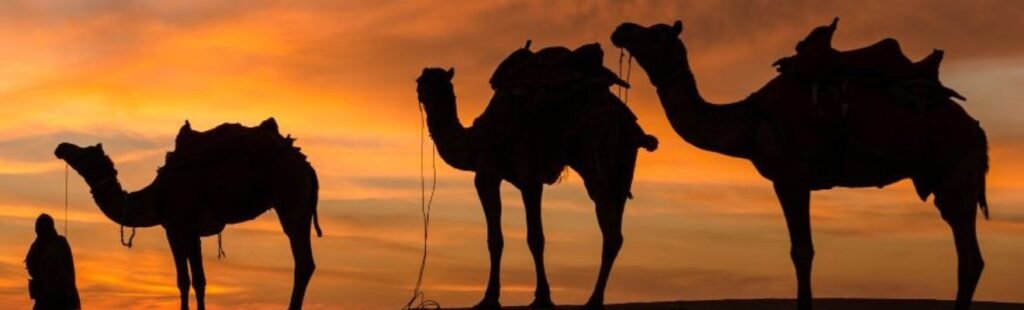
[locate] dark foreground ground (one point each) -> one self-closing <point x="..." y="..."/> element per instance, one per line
<point x="819" y="304"/>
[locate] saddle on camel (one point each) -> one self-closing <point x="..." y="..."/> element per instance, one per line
<point x="223" y="155"/>
<point x="853" y="96"/>
<point x="816" y="60"/>
<point x="542" y="98"/>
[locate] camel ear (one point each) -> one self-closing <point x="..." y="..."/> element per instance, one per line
<point x="677" y="28"/>
<point x="450" y="73"/>
<point x="99" y="146"/>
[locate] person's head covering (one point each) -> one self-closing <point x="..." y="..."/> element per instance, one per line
<point x="45" y="226"/>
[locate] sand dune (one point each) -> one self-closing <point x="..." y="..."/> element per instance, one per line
<point x="820" y="304"/>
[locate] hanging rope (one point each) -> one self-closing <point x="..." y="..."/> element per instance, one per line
<point x="220" y="247"/>
<point x="131" y="238"/>
<point x="621" y="53"/>
<point x="425" y="204"/>
<point x="629" y="71"/>
<point x="65" y="200"/>
<point x="624" y="95"/>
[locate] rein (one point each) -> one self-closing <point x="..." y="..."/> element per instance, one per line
<point x="629" y="71"/>
<point x="425" y="205"/>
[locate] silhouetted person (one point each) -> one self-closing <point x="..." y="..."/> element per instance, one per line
<point x="51" y="269"/>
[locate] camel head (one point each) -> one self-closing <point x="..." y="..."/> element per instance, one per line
<point x="91" y="162"/>
<point x="434" y="89"/>
<point x="655" y="48"/>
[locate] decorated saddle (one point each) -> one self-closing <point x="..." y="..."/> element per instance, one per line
<point x="541" y="99"/>
<point x="229" y="142"/>
<point x="816" y="60"/>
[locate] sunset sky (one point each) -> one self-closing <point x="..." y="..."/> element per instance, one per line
<point x="339" y="76"/>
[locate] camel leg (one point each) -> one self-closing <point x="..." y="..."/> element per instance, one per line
<point x="488" y="188"/>
<point x="535" y="239"/>
<point x="795" y="202"/>
<point x="609" y="206"/>
<point x="296" y="227"/>
<point x="195" y="260"/>
<point x="958" y="204"/>
<point x="179" y="249"/>
<point x="970" y="263"/>
<point x="609" y="219"/>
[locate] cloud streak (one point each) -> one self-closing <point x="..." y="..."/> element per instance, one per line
<point x="339" y="76"/>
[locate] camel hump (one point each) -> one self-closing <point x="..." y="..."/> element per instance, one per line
<point x="816" y="60"/>
<point x="553" y="67"/>
<point x="510" y="67"/>
<point x="229" y="141"/>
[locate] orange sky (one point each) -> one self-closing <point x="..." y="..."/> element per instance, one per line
<point x="340" y="77"/>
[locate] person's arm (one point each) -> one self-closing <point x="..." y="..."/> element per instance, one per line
<point x="33" y="287"/>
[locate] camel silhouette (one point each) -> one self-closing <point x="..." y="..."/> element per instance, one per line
<point x="227" y="175"/>
<point x="859" y="118"/>
<point x="550" y="109"/>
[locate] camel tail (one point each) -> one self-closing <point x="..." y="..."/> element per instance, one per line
<point x="315" y="195"/>
<point x="649" y="142"/>
<point x="982" y="199"/>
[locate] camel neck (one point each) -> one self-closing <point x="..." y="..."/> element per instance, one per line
<point x="720" y="128"/>
<point x="451" y="138"/>
<point x="136" y="209"/>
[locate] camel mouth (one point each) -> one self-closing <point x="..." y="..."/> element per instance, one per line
<point x="67" y="151"/>
<point x="624" y="34"/>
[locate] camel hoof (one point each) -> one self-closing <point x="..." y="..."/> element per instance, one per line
<point x="488" y="304"/>
<point x="542" y="303"/>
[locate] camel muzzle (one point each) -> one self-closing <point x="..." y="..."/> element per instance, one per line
<point x="623" y="34"/>
<point x="66" y="150"/>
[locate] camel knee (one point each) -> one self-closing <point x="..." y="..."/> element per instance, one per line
<point x="495" y="243"/>
<point x="306" y="269"/>
<point x="613" y="242"/>
<point x="183" y="284"/>
<point x="535" y="241"/>
<point x="199" y="284"/>
<point x="802" y="254"/>
<point x="973" y="264"/>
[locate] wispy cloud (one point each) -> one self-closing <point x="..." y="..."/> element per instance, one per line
<point x="339" y="76"/>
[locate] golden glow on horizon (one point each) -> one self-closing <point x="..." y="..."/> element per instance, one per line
<point x="340" y="78"/>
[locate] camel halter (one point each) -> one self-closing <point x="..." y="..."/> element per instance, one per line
<point x="124" y="213"/>
<point x="425" y="204"/>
